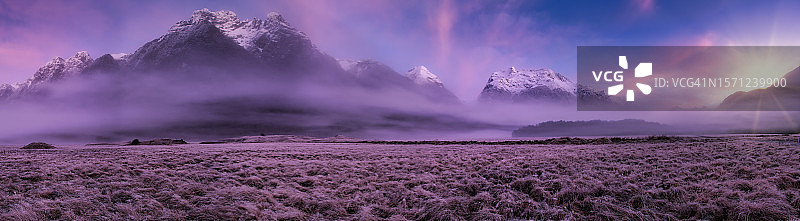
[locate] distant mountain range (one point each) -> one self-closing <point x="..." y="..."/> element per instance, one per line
<point x="216" y="75"/>
<point x="223" y="41"/>
<point x="285" y="85"/>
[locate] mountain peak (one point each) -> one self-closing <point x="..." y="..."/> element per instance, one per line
<point x="423" y="77"/>
<point x="521" y="84"/>
<point x="517" y="80"/>
<point x="270" y="38"/>
<point x="224" y="20"/>
<point x="275" y="17"/>
<point x="78" y="62"/>
<point x="55" y="61"/>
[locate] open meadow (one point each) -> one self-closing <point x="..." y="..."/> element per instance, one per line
<point x="719" y="178"/>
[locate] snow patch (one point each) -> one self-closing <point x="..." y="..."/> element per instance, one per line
<point x="244" y="32"/>
<point x="119" y="56"/>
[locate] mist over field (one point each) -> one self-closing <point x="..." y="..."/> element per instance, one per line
<point x="112" y="109"/>
<point x="202" y="105"/>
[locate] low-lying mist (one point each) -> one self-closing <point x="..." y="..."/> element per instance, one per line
<point x="201" y="105"/>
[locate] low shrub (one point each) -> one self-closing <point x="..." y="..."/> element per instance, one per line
<point x="38" y="145"/>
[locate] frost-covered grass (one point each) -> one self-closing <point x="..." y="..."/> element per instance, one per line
<point x="731" y="178"/>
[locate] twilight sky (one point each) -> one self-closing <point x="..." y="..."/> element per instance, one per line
<point x="461" y="41"/>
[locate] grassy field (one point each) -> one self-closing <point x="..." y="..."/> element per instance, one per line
<point x="729" y="178"/>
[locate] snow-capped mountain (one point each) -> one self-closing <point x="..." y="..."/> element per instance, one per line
<point x="192" y="46"/>
<point x="420" y="75"/>
<point x="430" y="84"/>
<point x="374" y="74"/>
<point x="246" y="33"/>
<point x="272" y="40"/>
<point x="55" y="70"/>
<point x="216" y="42"/>
<point x="228" y="75"/>
<point x="528" y="85"/>
<point x="58" y="68"/>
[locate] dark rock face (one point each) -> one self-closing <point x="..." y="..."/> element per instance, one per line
<point x="491" y="93"/>
<point x="103" y="64"/>
<point x="374" y="74"/>
<point x="285" y="48"/>
<point x="590" y="96"/>
<point x="542" y="93"/>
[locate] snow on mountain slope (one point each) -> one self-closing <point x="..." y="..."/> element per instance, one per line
<point x="523" y="85"/>
<point x="420" y="75"/>
<point x="272" y="39"/>
<point x="120" y="56"/>
<point x="430" y="85"/>
<point x="244" y="32"/>
<point x="195" y="46"/>
<point x="58" y="68"/>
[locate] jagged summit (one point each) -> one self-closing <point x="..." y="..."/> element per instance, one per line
<point x="250" y="34"/>
<point x="192" y="46"/>
<point x="517" y="81"/>
<point x="224" y="20"/>
<point x="54" y="70"/>
<point x="59" y="68"/>
<point x="518" y="85"/>
<point x="276" y="17"/>
<point x="423" y="77"/>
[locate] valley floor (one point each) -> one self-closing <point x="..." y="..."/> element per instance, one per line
<point x="742" y="178"/>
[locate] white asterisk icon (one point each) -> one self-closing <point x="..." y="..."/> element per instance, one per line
<point x="642" y="70"/>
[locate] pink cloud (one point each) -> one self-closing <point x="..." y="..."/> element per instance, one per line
<point x="442" y="21"/>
